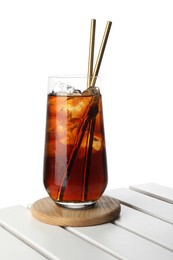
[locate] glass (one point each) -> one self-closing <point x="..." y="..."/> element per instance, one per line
<point x="75" y="165"/>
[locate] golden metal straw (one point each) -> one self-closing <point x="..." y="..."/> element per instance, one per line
<point x="101" y="52"/>
<point x="91" y="52"/>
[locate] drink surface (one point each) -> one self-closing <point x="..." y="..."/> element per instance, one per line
<point x="75" y="168"/>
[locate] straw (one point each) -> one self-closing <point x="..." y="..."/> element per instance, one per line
<point x="101" y="52"/>
<point x="91" y="52"/>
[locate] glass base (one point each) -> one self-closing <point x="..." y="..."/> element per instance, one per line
<point x="76" y="205"/>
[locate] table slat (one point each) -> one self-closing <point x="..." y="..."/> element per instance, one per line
<point x="151" y="228"/>
<point x="121" y="242"/>
<point x="13" y="248"/>
<point x="51" y="241"/>
<point x="144" y="203"/>
<point x="155" y="190"/>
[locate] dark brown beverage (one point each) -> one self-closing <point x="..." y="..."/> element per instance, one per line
<point x="75" y="168"/>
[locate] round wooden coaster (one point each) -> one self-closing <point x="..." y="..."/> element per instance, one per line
<point x="105" y="210"/>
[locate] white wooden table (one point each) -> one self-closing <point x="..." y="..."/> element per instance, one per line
<point x="144" y="231"/>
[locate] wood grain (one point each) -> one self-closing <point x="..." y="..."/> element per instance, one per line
<point x="105" y="210"/>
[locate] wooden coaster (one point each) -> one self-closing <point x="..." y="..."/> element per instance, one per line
<point x="105" y="210"/>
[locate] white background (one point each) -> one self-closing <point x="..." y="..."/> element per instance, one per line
<point x="39" y="38"/>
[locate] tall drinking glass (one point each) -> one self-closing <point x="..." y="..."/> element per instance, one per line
<point x="75" y="165"/>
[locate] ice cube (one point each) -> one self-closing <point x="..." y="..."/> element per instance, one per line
<point x="78" y="105"/>
<point x="63" y="89"/>
<point x="77" y="92"/>
<point x="66" y="88"/>
<point x="91" y="91"/>
<point x="70" y="130"/>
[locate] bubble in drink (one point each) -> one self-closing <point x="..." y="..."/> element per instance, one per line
<point x="75" y="168"/>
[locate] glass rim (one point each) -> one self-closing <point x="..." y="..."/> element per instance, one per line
<point x="75" y="76"/>
<point x="78" y="81"/>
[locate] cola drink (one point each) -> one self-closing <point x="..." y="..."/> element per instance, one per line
<point x="75" y="165"/>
